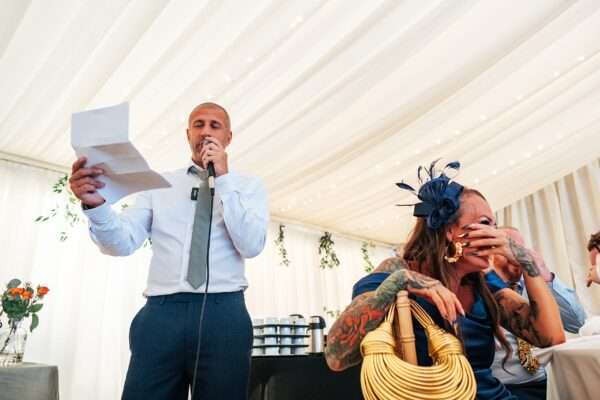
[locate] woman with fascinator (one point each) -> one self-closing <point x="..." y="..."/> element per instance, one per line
<point x="445" y="268"/>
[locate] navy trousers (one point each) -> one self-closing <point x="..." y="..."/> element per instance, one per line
<point x="163" y="337"/>
<point x="529" y="391"/>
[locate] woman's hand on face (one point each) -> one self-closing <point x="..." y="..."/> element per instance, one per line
<point x="485" y="241"/>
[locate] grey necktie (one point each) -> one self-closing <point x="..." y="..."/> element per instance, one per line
<point x="197" y="268"/>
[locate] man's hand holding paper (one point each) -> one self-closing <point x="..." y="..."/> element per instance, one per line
<point x="109" y="167"/>
<point x="84" y="184"/>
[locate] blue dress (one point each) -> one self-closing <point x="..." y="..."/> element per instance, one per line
<point x="477" y="332"/>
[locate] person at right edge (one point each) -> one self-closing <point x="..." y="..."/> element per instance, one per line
<point x="522" y="374"/>
<point x="453" y="286"/>
<point x="593" y="252"/>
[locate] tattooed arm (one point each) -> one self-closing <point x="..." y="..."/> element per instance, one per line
<point x="537" y="321"/>
<point x="368" y="310"/>
<point x="523" y="257"/>
<point x="539" y="325"/>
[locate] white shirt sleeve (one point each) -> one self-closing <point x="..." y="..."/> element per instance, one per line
<point x="121" y="234"/>
<point x="245" y="212"/>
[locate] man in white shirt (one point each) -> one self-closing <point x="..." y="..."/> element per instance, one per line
<point x="521" y="373"/>
<point x="164" y="335"/>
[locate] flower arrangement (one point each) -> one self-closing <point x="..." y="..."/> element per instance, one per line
<point x="19" y="301"/>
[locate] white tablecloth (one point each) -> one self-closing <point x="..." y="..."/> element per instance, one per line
<point x="574" y="370"/>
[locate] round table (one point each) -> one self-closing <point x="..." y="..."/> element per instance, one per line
<point x="574" y="370"/>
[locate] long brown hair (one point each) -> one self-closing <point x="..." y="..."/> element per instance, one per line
<point x="424" y="252"/>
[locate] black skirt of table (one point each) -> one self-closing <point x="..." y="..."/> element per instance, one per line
<point x="301" y="377"/>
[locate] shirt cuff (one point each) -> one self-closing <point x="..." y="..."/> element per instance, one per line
<point x="100" y="214"/>
<point x="494" y="282"/>
<point x="226" y="184"/>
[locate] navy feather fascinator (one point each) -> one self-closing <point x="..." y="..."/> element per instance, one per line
<point x="439" y="194"/>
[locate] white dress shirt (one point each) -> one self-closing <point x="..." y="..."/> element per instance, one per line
<point x="239" y="229"/>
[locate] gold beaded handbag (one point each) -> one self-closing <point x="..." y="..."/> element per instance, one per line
<point x="390" y="371"/>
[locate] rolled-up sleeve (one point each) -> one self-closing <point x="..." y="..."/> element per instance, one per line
<point x="121" y="234"/>
<point x="245" y="212"/>
<point x="572" y="313"/>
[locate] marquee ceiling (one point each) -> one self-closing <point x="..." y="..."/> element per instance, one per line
<point x="332" y="102"/>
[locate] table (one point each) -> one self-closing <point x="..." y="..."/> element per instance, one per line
<point x="301" y="378"/>
<point x="29" y="381"/>
<point x="574" y="370"/>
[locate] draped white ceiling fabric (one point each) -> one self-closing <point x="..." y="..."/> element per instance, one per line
<point x="331" y="101"/>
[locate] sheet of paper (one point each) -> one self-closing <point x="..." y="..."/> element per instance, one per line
<point x="102" y="136"/>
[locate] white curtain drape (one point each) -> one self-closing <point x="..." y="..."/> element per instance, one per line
<point x="557" y="221"/>
<point x="86" y="316"/>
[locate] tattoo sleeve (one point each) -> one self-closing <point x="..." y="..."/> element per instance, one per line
<point x="519" y="317"/>
<point x="524" y="258"/>
<point x="367" y="311"/>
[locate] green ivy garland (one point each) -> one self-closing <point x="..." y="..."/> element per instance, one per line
<point x="68" y="207"/>
<point x="280" y="243"/>
<point x="364" y="249"/>
<point x="332" y="313"/>
<point x="328" y="257"/>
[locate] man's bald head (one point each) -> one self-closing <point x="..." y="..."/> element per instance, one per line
<point x="214" y="106"/>
<point x="514" y="234"/>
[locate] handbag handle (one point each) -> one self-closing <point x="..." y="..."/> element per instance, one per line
<point x="403" y="329"/>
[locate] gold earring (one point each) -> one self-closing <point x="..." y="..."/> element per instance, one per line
<point x="458" y="253"/>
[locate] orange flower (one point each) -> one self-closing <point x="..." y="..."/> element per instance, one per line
<point x="42" y="291"/>
<point x="15" y="291"/>
<point x="26" y="294"/>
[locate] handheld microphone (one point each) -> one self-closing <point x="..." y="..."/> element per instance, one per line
<point x="211" y="172"/>
<point x="211" y="177"/>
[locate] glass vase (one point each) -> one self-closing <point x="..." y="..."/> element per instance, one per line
<point x="13" y="337"/>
